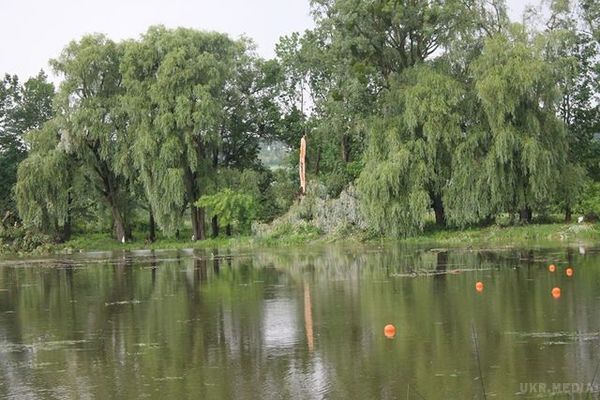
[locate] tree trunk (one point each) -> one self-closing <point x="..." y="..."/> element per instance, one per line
<point x="197" y="215"/>
<point x="228" y="229"/>
<point x="118" y="224"/>
<point x="568" y="215"/>
<point x="525" y="215"/>
<point x="318" y="161"/>
<point x="215" y="226"/>
<point x="64" y="234"/>
<point x="111" y="195"/>
<point x="151" y="227"/>
<point x="487" y="221"/>
<point x="438" y="208"/>
<point x="5" y="219"/>
<point x="346" y="148"/>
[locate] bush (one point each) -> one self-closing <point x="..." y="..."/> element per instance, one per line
<point x="17" y="239"/>
<point x="589" y="205"/>
<point x="317" y="212"/>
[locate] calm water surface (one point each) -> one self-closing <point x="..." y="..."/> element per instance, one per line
<point x="302" y="324"/>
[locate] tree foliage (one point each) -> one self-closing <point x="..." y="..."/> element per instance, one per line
<point x="440" y="111"/>
<point x="198" y="101"/>
<point x="461" y="113"/>
<point x="93" y="121"/>
<point x="408" y="164"/>
<point x="23" y="107"/>
<point x="231" y="207"/>
<point x="44" y="182"/>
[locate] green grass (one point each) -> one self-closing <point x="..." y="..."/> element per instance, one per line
<point x="551" y="234"/>
<point x="104" y="242"/>
<point x="511" y="235"/>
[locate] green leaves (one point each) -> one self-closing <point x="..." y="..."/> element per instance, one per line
<point x="231" y="208"/>
<point x="409" y="160"/>
<point x="44" y="181"/>
<point x="197" y="102"/>
<point x="23" y="107"/>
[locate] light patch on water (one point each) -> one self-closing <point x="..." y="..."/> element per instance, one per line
<point x="279" y="323"/>
<point x="168" y="378"/>
<point x="42" y="365"/>
<point x="119" y="303"/>
<point x="188" y="321"/>
<point x="150" y="345"/>
<point x="56" y="344"/>
<point x="428" y="272"/>
<point x="558" y="338"/>
<point x="39" y="346"/>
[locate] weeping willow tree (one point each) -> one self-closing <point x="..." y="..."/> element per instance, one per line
<point x="94" y="125"/>
<point x="177" y="83"/>
<point x="44" y="181"/>
<point x="408" y="162"/>
<point x="512" y="161"/>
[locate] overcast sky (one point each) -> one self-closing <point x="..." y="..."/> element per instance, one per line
<point x="33" y="31"/>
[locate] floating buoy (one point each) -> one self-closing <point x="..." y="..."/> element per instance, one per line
<point x="556" y="293"/>
<point x="569" y="272"/>
<point x="479" y="287"/>
<point x="389" y="331"/>
<point x="551" y="267"/>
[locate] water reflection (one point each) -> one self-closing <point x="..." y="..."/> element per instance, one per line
<point x="298" y="324"/>
<point x="279" y="325"/>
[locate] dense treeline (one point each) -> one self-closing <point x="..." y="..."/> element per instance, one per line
<point x="448" y="106"/>
<point x="150" y="127"/>
<point x="441" y="108"/>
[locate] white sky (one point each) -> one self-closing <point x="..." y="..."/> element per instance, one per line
<point x="33" y="31"/>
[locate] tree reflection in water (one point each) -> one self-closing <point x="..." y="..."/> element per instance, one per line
<point x="296" y="324"/>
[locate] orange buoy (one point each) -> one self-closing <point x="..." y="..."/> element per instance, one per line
<point x="389" y="331"/>
<point x="479" y="287"/>
<point x="569" y="272"/>
<point x="551" y="267"/>
<point x="556" y="293"/>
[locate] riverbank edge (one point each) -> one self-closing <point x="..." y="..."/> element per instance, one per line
<point x="512" y="236"/>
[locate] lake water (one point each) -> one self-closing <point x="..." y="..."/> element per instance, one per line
<point x="302" y="324"/>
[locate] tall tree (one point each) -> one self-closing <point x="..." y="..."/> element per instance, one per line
<point x="523" y="142"/>
<point x="94" y="124"/>
<point x="410" y="151"/>
<point x="177" y="83"/>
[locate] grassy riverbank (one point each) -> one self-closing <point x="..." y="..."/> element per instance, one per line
<point x="494" y="235"/>
<point x="472" y="237"/>
<point x="512" y="235"/>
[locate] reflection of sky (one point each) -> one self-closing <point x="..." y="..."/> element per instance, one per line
<point x="284" y="331"/>
<point x="280" y="324"/>
<point x="310" y="380"/>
